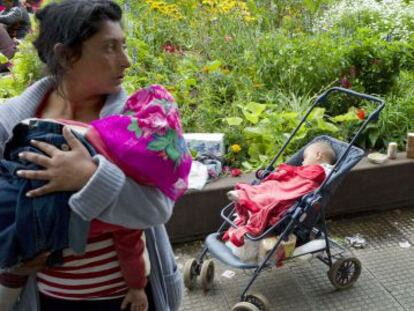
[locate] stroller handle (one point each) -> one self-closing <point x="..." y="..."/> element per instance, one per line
<point x="352" y="93"/>
<point x="373" y="116"/>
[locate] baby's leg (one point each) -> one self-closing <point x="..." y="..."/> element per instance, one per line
<point x="233" y="195"/>
<point x="10" y="288"/>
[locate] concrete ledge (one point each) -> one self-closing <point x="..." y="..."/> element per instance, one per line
<point x="367" y="187"/>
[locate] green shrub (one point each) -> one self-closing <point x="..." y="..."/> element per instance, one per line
<point x="224" y="66"/>
<point x="304" y="64"/>
<point x="376" y="62"/>
<point x="26" y="68"/>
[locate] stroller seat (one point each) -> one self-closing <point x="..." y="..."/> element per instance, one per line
<point x="220" y="251"/>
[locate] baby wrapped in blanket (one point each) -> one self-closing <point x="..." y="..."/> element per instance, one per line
<point x="260" y="206"/>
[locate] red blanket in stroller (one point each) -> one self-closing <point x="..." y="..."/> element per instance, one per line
<point x="262" y="205"/>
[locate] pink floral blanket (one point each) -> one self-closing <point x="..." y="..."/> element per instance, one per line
<point x="147" y="142"/>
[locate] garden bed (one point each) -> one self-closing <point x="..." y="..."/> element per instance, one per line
<point x="250" y="69"/>
<point x="368" y="187"/>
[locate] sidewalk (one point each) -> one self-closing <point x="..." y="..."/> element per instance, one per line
<point x="386" y="282"/>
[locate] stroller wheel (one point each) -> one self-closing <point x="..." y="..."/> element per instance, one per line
<point x="259" y="300"/>
<point x="207" y="274"/>
<point x="190" y="273"/>
<point x="244" y="306"/>
<point x="344" y="272"/>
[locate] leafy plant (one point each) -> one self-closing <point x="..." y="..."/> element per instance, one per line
<point x="25" y="69"/>
<point x="265" y="129"/>
<point x="250" y="69"/>
<point x="375" y="62"/>
<point x="3" y="59"/>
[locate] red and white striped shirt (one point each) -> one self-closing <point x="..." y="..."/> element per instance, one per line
<point x="96" y="275"/>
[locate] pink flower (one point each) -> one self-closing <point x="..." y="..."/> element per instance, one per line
<point x="174" y="122"/>
<point x="235" y="172"/>
<point x="154" y="122"/>
<point x="172" y="48"/>
<point x="155" y="110"/>
<point x="144" y="96"/>
<point x="169" y="48"/>
<point x="345" y="83"/>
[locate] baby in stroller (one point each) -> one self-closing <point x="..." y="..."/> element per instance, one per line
<point x="318" y="153"/>
<point x="260" y="206"/>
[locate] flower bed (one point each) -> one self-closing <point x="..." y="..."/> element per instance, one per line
<point x="250" y="68"/>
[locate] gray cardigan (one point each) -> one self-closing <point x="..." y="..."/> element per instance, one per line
<point x="108" y="196"/>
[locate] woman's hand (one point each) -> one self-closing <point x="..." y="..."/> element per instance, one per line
<point x="32" y="266"/>
<point x="65" y="170"/>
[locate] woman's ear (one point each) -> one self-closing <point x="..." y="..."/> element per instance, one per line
<point x="62" y="55"/>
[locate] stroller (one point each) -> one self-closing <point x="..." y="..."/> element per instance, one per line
<point x="305" y="218"/>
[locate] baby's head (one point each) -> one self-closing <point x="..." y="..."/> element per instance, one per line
<point x="318" y="153"/>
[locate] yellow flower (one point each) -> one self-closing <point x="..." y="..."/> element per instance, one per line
<point x="235" y="148"/>
<point x="164" y="8"/>
<point x="227" y="7"/>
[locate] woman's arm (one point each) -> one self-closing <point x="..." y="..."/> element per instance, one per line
<point x="3" y="139"/>
<point x="114" y="198"/>
<point x="101" y="188"/>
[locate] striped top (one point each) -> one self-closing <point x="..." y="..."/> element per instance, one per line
<point x="96" y="275"/>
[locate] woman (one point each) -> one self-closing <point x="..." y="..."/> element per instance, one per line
<point x="83" y="46"/>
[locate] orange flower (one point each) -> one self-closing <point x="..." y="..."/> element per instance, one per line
<point x="360" y="114"/>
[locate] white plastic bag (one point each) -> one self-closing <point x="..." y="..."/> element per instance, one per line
<point x="198" y="176"/>
<point x="247" y="252"/>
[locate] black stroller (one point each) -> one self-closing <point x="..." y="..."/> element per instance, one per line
<point x="306" y="219"/>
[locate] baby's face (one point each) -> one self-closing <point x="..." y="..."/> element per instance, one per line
<point x="312" y="155"/>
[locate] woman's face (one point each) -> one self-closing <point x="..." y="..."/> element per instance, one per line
<point x="103" y="62"/>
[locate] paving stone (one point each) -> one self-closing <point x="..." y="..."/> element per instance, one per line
<point x="385" y="282"/>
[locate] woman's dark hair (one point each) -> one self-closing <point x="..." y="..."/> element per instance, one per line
<point x="70" y="22"/>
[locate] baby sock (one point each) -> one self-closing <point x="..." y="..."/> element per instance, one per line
<point x="10" y="287"/>
<point x="233" y="196"/>
<point x="8" y="297"/>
